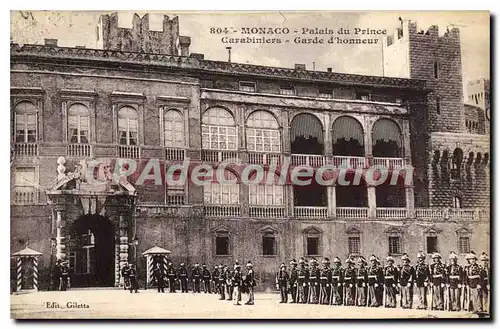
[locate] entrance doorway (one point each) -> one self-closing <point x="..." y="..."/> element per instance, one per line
<point x="92" y="252"/>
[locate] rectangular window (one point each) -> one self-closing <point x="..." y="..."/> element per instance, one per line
<point x="312" y="246"/>
<point x="263" y="140"/>
<point x="431" y="244"/>
<point x="219" y="137"/>
<point x="394" y="245"/>
<point x="325" y="93"/>
<point x="216" y="193"/>
<point x="271" y="195"/>
<point x="247" y="86"/>
<point x="436" y="70"/>
<point x="354" y="245"/>
<point x="438" y="105"/>
<point x="222" y="245"/>
<point x="25" y="128"/>
<point x="287" y="90"/>
<point x="268" y="245"/>
<point x="78" y="128"/>
<point x="24" y="186"/>
<point x="463" y="245"/>
<point x="362" y="95"/>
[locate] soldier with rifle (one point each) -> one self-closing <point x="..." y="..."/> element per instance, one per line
<point x="422" y="275"/>
<point x="196" y="278"/>
<point x="337" y="296"/>
<point x="325" y="282"/>
<point x="183" y="277"/>
<point x="206" y="278"/>
<point x="454" y="282"/>
<point x="314" y="279"/>
<point x="215" y="280"/>
<point x="375" y="280"/>
<point x="222" y="282"/>
<point x="293" y="283"/>
<point x="361" y="282"/>
<point x="391" y="279"/>
<point x="302" y="280"/>
<point x="473" y="282"/>
<point x="438" y="279"/>
<point x="349" y="283"/>
<point x="172" y="276"/>
<point x="407" y="278"/>
<point x="282" y="278"/>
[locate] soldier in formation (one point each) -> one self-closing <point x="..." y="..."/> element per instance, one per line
<point x="282" y="278"/>
<point x="159" y="277"/>
<point x="172" y="277"/>
<point x="206" y="278"/>
<point x="183" y="277"/>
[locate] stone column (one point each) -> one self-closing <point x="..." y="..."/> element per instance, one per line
<point x="332" y="202"/>
<point x="410" y="202"/>
<point x="123" y="227"/>
<point x="368" y="140"/>
<point x="60" y="236"/>
<point x="372" y="202"/>
<point x="244" y="202"/>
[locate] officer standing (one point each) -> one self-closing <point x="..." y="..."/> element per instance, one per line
<point x="337" y="280"/>
<point x="375" y="279"/>
<point x="302" y="280"/>
<point x="407" y="277"/>
<point x="205" y="274"/>
<point x="454" y="282"/>
<point x="473" y="282"/>
<point x="64" y="276"/>
<point x="222" y="282"/>
<point x="229" y="283"/>
<point x="314" y="278"/>
<point x="171" y="275"/>
<point x="325" y="282"/>
<point x="159" y="277"/>
<point x="391" y="279"/>
<point x="282" y="278"/>
<point x="349" y="283"/>
<point x="183" y="277"/>
<point x="215" y="279"/>
<point x="126" y="276"/>
<point x="438" y="275"/>
<point x="361" y="282"/>
<point x="56" y="275"/>
<point x="422" y="275"/>
<point x="134" y="285"/>
<point x="294" y="276"/>
<point x="250" y="283"/>
<point x="485" y="283"/>
<point x="236" y="283"/>
<point x="196" y="278"/>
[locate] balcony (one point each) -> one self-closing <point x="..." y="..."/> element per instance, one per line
<point x="25" y="195"/>
<point x="343" y="161"/>
<point x="351" y="212"/>
<point x="176" y="199"/>
<point x="129" y="151"/>
<point x="389" y="162"/>
<point x="463" y="214"/>
<point x="25" y="149"/>
<point x="311" y="160"/>
<point x="175" y="154"/>
<point x="266" y="211"/>
<point x="213" y="210"/>
<point x="218" y="156"/>
<point x="79" y="150"/>
<point x="266" y="159"/>
<point x="391" y="213"/>
<point x="310" y="212"/>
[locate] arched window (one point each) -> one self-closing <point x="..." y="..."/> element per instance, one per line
<point x="218" y="130"/>
<point x="26" y="122"/>
<point x="387" y="141"/>
<point x="348" y="137"/>
<point x="266" y="194"/>
<point x="173" y="127"/>
<point x="222" y="192"/>
<point x="306" y="134"/>
<point x="78" y="123"/>
<point x="128" y="126"/>
<point x="263" y="133"/>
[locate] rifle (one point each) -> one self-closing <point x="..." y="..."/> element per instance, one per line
<point x="331" y="294"/>
<point x="432" y="296"/>
<point x="356" y="295"/>
<point x="383" y="295"/>
<point x="344" y="295"/>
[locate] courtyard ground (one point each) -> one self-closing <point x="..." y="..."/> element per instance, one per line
<point x="119" y="304"/>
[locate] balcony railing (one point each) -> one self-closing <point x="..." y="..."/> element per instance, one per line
<point x="25" y="149"/>
<point x="79" y="150"/>
<point x="351" y="212"/>
<point x="218" y="156"/>
<point x="266" y="211"/>
<point x="213" y="210"/>
<point x="312" y="160"/>
<point x="389" y="162"/>
<point x="175" y="199"/>
<point x="392" y="213"/>
<point x="344" y="161"/>
<point x="129" y="151"/>
<point x="463" y="214"/>
<point x="310" y="212"/>
<point x="25" y="195"/>
<point x="264" y="158"/>
<point x="432" y="213"/>
<point x="175" y="154"/>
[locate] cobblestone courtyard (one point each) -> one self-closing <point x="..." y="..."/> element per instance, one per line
<point x="119" y="304"/>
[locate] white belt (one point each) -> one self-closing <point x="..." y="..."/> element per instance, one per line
<point x="372" y="276"/>
<point x="361" y="277"/>
<point x="437" y="276"/>
<point x="454" y="277"/>
<point x="473" y="276"/>
<point x="323" y="277"/>
<point x="347" y="278"/>
<point x="389" y="277"/>
<point x="336" y="277"/>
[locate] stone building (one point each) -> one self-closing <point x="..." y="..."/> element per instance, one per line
<point x="144" y="96"/>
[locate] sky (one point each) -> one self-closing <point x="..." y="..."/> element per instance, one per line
<point x="77" y="28"/>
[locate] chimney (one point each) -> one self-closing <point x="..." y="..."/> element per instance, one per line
<point x="51" y="42"/>
<point x="197" y="56"/>
<point x="184" y="43"/>
<point x="329" y="69"/>
<point x="300" y="67"/>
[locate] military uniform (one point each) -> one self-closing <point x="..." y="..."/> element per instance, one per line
<point x="337" y="294"/>
<point x="206" y="277"/>
<point x="282" y="279"/>
<point x="485" y="283"/>
<point x="134" y="284"/>
<point x="293" y="283"/>
<point x="171" y="275"/>
<point x="302" y="280"/>
<point x="325" y="282"/>
<point x="196" y="278"/>
<point x="222" y="283"/>
<point x="407" y="277"/>
<point x="391" y="279"/>
<point x="126" y="276"/>
<point x="159" y="277"/>
<point x="375" y="282"/>
<point x="314" y="279"/>
<point x="183" y="278"/>
<point x="215" y="280"/>
<point x="422" y="275"/>
<point x="250" y="283"/>
<point x="361" y="282"/>
<point x="454" y="282"/>
<point x="473" y="282"/>
<point x="438" y="279"/>
<point x="64" y="277"/>
<point x="349" y="283"/>
<point x="229" y="283"/>
<point x="236" y="281"/>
